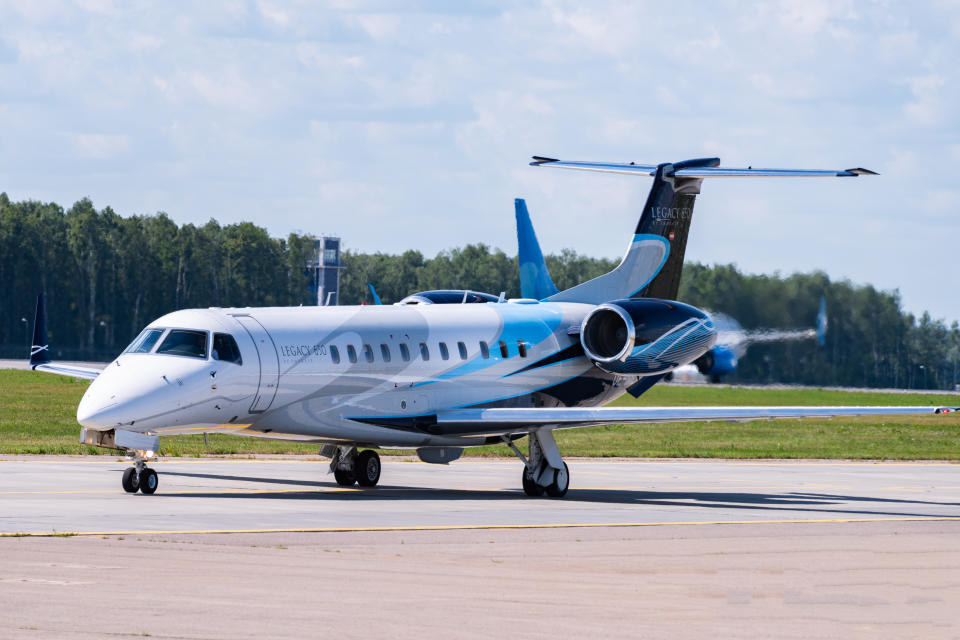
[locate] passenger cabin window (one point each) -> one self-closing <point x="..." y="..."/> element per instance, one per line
<point x="522" y="348"/>
<point x="335" y="354"/>
<point x="368" y="353"/>
<point x="444" y="352"/>
<point x="404" y="352"/>
<point x="424" y="351"/>
<point x="351" y="353"/>
<point x="463" y="350"/>
<point x="503" y="349"/>
<point x="184" y="342"/>
<point x="484" y="350"/>
<point x="385" y="352"/>
<point x="145" y="342"/>
<point x="225" y="349"/>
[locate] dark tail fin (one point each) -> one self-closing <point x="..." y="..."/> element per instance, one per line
<point x="39" y="350"/>
<point x="667" y="214"/>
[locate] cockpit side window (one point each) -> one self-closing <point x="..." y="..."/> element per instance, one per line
<point x="225" y="348"/>
<point x="185" y="342"/>
<point x="145" y="341"/>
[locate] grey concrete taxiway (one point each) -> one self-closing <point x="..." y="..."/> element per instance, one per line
<point x="273" y="548"/>
<point x="83" y="495"/>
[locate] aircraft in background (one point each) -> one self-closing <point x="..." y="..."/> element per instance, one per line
<point x="432" y="377"/>
<point x="732" y="339"/>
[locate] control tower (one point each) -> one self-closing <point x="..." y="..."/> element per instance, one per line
<point x="324" y="269"/>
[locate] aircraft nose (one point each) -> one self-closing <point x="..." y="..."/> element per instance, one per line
<point x="97" y="412"/>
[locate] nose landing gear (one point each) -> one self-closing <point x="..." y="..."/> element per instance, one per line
<point x="140" y="478"/>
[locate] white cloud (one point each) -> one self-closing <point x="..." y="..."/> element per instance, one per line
<point x="274" y="14"/>
<point x="926" y="107"/>
<point x="100" y="146"/>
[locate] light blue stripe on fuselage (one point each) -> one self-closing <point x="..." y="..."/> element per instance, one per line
<point x="530" y="323"/>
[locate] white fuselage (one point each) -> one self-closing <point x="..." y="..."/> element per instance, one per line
<point x="361" y="374"/>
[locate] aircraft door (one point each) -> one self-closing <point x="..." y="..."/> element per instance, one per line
<point x="269" y="363"/>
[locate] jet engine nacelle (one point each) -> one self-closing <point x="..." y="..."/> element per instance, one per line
<point x="717" y="362"/>
<point x="645" y="336"/>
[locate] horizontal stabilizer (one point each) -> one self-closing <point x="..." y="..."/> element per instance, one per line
<point x="691" y="169"/>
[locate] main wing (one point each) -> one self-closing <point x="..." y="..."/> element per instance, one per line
<point x="40" y="350"/>
<point x="87" y="373"/>
<point x="498" y="420"/>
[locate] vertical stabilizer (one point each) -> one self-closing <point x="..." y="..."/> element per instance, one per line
<point x="653" y="263"/>
<point x="666" y="216"/>
<point x="535" y="281"/>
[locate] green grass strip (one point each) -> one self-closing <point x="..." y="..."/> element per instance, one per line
<point x="38" y="416"/>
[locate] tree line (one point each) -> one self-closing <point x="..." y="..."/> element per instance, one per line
<point x="105" y="276"/>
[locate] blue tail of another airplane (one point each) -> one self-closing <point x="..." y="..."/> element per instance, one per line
<point x="535" y="281"/>
<point x="822" y="321"/>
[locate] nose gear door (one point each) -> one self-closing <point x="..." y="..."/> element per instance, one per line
<point x="269" y="363"/>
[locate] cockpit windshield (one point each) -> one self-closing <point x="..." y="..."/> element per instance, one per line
<point x="145" y="341"/>
<point x="184" y="342"/>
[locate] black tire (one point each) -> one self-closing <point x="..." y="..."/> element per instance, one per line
<point x="148" y="481"/>
<point x="344" y="477"/>
<point x="530" y="487"/>
<point x="556" y="490"/>
<point x="130" y="481"/>
<point x="367" y="468"/>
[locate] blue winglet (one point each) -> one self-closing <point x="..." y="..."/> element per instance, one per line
<point x="535" y="281"/>
<point x="376" y="298"/>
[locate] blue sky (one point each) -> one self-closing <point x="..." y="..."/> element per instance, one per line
<point x="412" y="128"/>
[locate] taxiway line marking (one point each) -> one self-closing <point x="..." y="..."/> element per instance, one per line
<point x="467" y="527"/>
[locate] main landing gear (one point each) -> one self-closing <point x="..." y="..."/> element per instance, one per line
<point x="350" y="466"/>
<point x="140" y="478"/>
<point x="544" y="472"/>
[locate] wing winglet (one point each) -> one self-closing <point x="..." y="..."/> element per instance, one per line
<point x="40" y="349"/>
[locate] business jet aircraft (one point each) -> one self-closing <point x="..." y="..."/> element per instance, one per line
<point x="732" y="339"/>
<point x="434" y="377"/>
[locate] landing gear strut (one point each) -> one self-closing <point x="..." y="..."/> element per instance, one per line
<point x="544" y="472"/>
<point x="350" y="466"/>
<point x="140" y="477"/>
